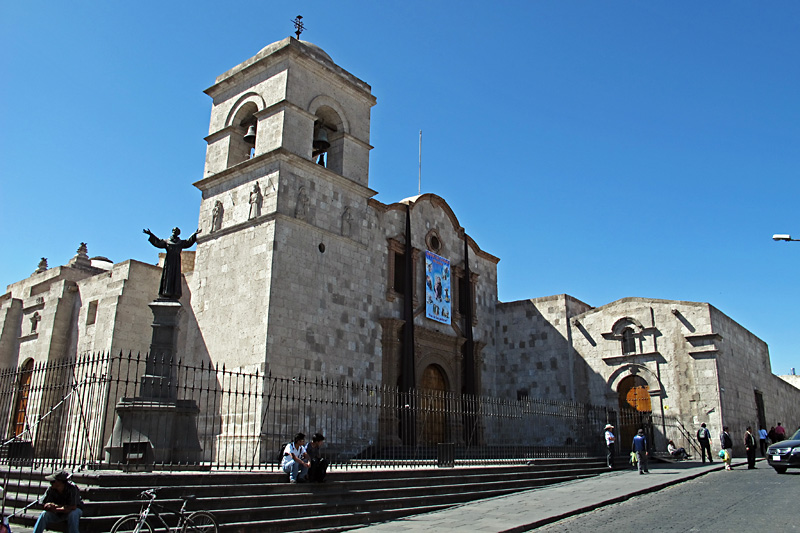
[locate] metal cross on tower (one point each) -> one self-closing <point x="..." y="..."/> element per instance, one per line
<point x="298" y="26"/>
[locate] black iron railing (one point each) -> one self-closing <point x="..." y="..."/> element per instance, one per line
<point x="66" y="414"/>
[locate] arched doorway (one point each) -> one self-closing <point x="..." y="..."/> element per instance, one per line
<point x="432" y="395"/>
<point x="23" y="394"/>
<point x="635" y="410"/>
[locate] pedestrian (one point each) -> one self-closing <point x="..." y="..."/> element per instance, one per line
<point x="771" y="436"/>
<point x="780" y="433"/>
<point x="750" y="447"/>
<point x="726" y="443"/>
<point x="610" y="440"/>
<point x="639" y="446"/>
<point x="293" y="463"/>
<point x="319" y="465"/>
<point x="704" y="438"/>
<point x="762" y="441"/>
<point x="62" y="503"/>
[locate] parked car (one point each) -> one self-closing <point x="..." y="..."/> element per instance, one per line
<point x="785" y="454"/>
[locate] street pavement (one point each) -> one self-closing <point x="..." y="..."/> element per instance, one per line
<point x="530" y="509"/>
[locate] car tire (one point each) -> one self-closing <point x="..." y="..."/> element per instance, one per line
<point x="780" y="469"/>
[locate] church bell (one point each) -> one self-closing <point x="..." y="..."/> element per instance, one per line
<point x="321" y="143"/>
<point x="250" y="136"/>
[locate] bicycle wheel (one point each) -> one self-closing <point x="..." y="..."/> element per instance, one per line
<point x="200" y="522"/>
<point x="129" y="523"/>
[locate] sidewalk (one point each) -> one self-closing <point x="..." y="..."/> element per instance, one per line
<point x="529" y="509"/>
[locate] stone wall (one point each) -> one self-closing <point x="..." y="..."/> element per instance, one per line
<point x="744" y="370"/>
<point x="534" y="353"/>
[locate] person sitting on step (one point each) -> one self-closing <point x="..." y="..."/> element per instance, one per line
<point x="293" y="463"/>
<point x="319" y="465"/>
<point x="677" y="453"/>
<point x="62" y="503"/>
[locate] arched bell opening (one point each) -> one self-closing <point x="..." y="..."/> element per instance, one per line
<point x="328" y="145"/>
<point x="243" y="138"/>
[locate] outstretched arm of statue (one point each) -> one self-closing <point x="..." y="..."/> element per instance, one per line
<point x="155" y="241"/>
<point x="191" y="240"/>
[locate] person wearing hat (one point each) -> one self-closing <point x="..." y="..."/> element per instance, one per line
<point x="704" y="438"/>
<point x="640" y="447"/>
<point x="62" y="503"/>
<point x="610" y="440"/>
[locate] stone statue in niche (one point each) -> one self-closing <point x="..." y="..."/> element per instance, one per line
<point x="301" y="210"/>
<point x="255" y="202"/>
<point x="170" y="287"/>
<point x="347" y="223"/>
<point x="42" y="266"/>
<point x="35" y="321"/>
<point x="216" y="216"/>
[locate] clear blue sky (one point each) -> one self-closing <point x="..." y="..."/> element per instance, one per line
<point x="601" y="149"/>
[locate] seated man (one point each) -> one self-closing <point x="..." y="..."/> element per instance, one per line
<point x="62" y="503"/>
<point x="677" y="453"/>
<point x="293" y="463"/>
<point x="319" y="465"/>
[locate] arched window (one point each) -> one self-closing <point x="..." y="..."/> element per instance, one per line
<point x="628" y="341"/>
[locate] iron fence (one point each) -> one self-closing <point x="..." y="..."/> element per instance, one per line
<point x="94" y="412"/>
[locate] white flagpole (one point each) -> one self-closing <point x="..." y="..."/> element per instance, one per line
<point x="419" y="185"/>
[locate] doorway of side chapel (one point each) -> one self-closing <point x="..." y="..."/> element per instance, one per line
<point x="635" y="411"/>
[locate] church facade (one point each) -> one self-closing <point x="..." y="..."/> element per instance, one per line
<point x="300" y="271"/>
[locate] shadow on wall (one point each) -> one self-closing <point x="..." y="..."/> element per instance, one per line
<point x="535" y="355"/>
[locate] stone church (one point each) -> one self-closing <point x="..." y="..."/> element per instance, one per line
<point x="299" y="271"/>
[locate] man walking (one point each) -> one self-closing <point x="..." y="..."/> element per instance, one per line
<point x="704" y="438"/>
<point x="726" y="443"/>
<point x="750" y="447"/>
<point x="610" y="439"/>
<point x="640" y="447"/>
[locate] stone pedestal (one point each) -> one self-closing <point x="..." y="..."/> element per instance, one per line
<point x="155" y="426"/>
<point x="154" y="431"/>
<point x="159" y="373"/>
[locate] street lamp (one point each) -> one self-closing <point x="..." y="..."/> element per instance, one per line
<point x="781" y="237"/>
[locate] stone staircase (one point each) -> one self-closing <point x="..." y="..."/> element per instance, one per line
<point x="265" y="501"/>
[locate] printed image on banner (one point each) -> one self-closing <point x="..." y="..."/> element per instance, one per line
<point x="437" y="288"/>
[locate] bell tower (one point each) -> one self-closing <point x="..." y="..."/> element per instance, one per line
<point x="290" y="96"/>
<point x="284" y="203"/>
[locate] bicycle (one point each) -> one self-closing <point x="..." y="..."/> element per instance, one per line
<point x="195" y="522"/>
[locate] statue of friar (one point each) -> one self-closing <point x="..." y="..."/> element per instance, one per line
<point x="171" y="274"/>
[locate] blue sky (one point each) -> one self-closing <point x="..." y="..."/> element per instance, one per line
<point x="601" y="149"/>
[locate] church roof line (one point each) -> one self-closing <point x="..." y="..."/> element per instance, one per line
<point x="441" y="203"/>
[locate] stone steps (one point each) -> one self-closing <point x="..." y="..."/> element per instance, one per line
<point x="260" y="501"/>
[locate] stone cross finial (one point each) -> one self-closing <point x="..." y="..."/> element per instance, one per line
<point x="42" y="266"/>
<point x="83" y="250"/>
